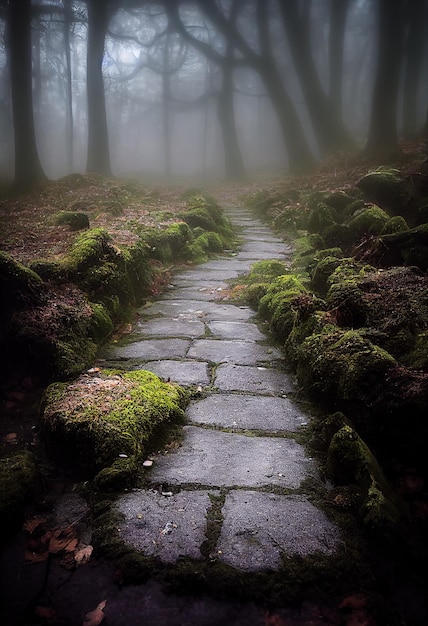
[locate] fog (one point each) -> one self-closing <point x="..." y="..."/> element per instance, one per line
<point x="181" y="80"/>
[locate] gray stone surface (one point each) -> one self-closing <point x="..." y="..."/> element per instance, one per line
<point x="203" y="291"/>
<point x="235" y="330"/>
<point x="259" y="528"/>
<point x="149" y="349"/>
<point x="260" y="380"/>
<point x="198" y="310"/>
<point x="166" y="527"/>
<point x="242" y="411"/>
<point x="240" y="352"/>
<point x="181" y="372"/>
<point x="214" y="458"/>
<point x="204" y="274"/>
<point x="173" y="327"/>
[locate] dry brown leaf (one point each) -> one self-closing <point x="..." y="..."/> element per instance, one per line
<point x="62" y="544"/>
<point x="95" y="617"/>
<point x="83" y="555"/>
<point x="10" y="438"/>
<point x="31" y="524"/>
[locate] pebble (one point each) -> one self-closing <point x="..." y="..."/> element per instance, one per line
<point x="148" y="463"/>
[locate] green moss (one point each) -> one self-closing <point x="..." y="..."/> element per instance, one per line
<point x="386" y="188"/>
<point x="350" y="462"/>
<point x="95" y="419"/>
<point x="338" y="235"/>
<point x="322" y="271"/>
<point x="417" y="358"/>
<point x="266" y="270"/>
<point x="75" y="220"/>
<point x="320" y="217"/>
<point x="19" y="285"/>
<point x="396" y="224"/>
<point x="20" y="482"/>
<point x="101" y="325"/>
<point x="370" y="221"/>
<point x="342" y="366"/>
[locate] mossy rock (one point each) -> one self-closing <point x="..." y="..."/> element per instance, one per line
<point x="334" y="252"/>
<point x="267" y="270"/>
<point x="342" y="367"/>
<point x="89" y="423"/>
<point x="322" y="271"/>
<point x="338" y="200"/>
<point x="386" y="189"/>
<point x="277" y="305"/>
<point x="19" y="285"/>
<point x="74" y="219"/>
<point x="254" y="293"/>
<point x="338" y="235"/>
<point x="417" y="358"/>
<point x="396" y="224"/>
<point x="370" y="221"/>
<point x="320" y="217"/>
<point x="409" y="247"/>
<point x="351" y="462"/>
<point x="198" y="217"/>
<point x="20" y="482"/>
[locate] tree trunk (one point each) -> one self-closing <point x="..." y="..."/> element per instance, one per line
<point x="413" y="65"/>
<point x="383" y="135"/>
<point x="69" y="134"/>
<point x="299" y="153"/>
<point x="98" y="145"/>
<point x="338" y="15"/>
<point x="329" y="131"/>
<point x="234" y="164"/>
<point x="28" y="169"/>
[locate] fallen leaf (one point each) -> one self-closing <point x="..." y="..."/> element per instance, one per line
<point x="83" y="555"/>
<point x="31" y="524"/>
<point x="95" y="617"/>
<point x="10" y="438"/>
<point x="62" y="544"/>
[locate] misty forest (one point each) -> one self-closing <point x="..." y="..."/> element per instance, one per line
<point x="206" y="89"/>
<point x="214" y="312"/>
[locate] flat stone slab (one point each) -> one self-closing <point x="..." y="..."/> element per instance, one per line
<point x="235" y="330"/>
<point x="242" y="411"/>
<point x="201" y="273"/>
<point x="259" y="528"/>
<point x="202" y="291"/>
<point x="227" y="264"/>
<point x="149" y="349"/>
<point x="172" y="327"/>
<point x="262" y="380"/>
<point x="181" y="372"/>
<point x="241" y="352"/>
<point x="214" y="458"/>
<point x="198" y="310"/>
<point x="168" y="527"/>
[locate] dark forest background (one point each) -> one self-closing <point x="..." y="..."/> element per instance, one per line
<point x="206" y="88"/>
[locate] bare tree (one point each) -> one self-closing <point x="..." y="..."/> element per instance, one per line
<point x="28" y="169"/>
<point x="383" y="133"/>
<point x="98" y="159"/>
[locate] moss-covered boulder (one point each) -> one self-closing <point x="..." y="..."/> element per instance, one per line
<point x="76" y="220"/>
<point x="342" y="367"/>
<point x="351" y="463"/>
<point x="408" y="247"/>
<point x="19" y="285"/>
<point x="105" y="421"/>
<point x="20" y="482"/>
<point x="320" y="218"/>
<point x="386" y="188"/>
<point x="370" y="221"/>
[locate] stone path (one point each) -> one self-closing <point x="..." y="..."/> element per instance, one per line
<point x="239" y="461"/>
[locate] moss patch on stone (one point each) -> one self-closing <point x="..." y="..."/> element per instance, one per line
<point x="101" y="424"/>
<point x="20" y="482"/>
